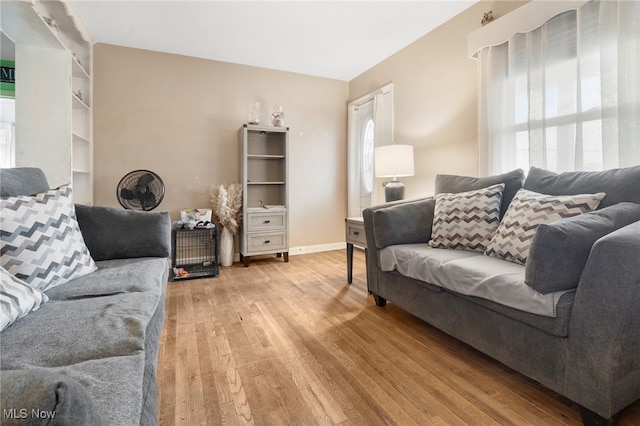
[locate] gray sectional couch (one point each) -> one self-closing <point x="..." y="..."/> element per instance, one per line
<point x="90" y="353"/>
<point x="581" y="340"/>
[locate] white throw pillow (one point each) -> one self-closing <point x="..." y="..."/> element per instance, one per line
<point x="17" y="299"/>
<point x="41" y="240"/>
<point x="466" y="220"/>
<point x="526" y="212"/>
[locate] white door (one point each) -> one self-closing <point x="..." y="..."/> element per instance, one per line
<point x="370" y="125"/>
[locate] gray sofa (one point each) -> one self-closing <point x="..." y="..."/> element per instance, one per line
<point x="90" y="353"/>
<point x="587" y="347"/>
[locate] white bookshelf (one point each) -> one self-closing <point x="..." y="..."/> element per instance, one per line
<point x="54" y="89"/>
<point x="263" y="171"/>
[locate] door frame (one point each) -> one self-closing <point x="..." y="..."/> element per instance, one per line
<point x="383" y="127"/>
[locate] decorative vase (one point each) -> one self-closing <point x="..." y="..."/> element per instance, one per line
<point x="254" y="112"/>
<point x="277" y="118"/>
<point x="226" y="247"/>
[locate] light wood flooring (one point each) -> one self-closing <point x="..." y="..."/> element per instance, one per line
<point x="293" y="343"/>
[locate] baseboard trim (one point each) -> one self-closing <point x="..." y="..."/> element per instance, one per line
<point x="293" y="251"/>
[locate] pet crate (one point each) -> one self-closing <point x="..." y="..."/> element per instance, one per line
<point x="194" y="253"/>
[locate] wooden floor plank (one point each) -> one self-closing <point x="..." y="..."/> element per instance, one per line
<point x="293" y="344"/>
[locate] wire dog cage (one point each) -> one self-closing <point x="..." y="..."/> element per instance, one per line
<point x="194" y="253"/>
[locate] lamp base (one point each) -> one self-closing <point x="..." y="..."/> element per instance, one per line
<point x="393" y="191"/>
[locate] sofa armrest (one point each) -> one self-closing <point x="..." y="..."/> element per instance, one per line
<point x="402" y="222"/>
<point x="604" y="331"/>
<point x="399" y="223"/>
<point x="111" y="233"/>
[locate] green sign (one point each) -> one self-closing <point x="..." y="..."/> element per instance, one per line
<point x="7" y="79"/>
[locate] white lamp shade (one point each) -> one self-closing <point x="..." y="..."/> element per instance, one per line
<point x="393" y="160"/>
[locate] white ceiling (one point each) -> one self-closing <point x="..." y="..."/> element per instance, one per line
<point x="334" y="39"/>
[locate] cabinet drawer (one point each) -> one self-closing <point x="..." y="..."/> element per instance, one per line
<point x="266" y="221"/>
<point x="355" y="235"/>
<point x="267" y="242"/>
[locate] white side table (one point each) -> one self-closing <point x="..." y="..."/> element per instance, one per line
<point x="354" y="227"/>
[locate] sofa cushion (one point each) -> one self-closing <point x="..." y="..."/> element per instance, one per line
<point x="41" y="241"/>
<point x="116" y="277"/>
<point x="469" y="273"/>
<point x="112" y="233"/>
<point x="419" y="260"/>
<point x="559" y="250"/>
<point x="120" y="305"/>
<point x="453" y="184"/>
<point x="45" y="397"/>
<point x="526" y="212"/>
<point x="466" y="220"/>
<point x="557" y="325"/>
<point x="406" y="222"/>
<point x="22" y="181"/>
<point x="619" y="184"/>
<point x="17" y="299"/>
<point x="114" y="384"/>
<point x="115" y="303"/>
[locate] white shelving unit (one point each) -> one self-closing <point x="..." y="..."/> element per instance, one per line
<point x="54" y="88"/>
<point x="264" y="161"/>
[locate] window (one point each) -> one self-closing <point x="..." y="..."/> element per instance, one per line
<point x="7" y="141"/>
<point x="367" y="156"/>
<point x="561" y="97"/>
<point x="7" y="132"/>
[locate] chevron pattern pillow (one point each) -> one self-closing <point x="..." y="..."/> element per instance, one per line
<point x="17" y="299"/>
<point x="526" y="212"/>
<point x="466" y="220"/>
<point x="40" y="239"/>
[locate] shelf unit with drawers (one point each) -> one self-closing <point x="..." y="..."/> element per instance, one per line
<point x="263" y="168"/>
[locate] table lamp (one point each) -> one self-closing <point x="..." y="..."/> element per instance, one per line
<point x="393" y="161"/>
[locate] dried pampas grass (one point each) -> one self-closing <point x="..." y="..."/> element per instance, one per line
<point x="227" y="205"/>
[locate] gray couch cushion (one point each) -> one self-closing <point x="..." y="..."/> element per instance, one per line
<point x="117" y="276"/>
<point x="559" y="250"/>
<point x="454" y="184"/>
<point x="405" y="222"/>
<point x="120" y="308"/>
<point x="556" y="326"/>
<point x="115" y="317"/>
<point x="114" y="384"/>
<point x="471" y="274"/>
<point x="22" y="181"/>
<point x="115" y="326"/>
<point x="37" y="397"/>
<point x="112" y="233"/>
<point x="619" y="184"/>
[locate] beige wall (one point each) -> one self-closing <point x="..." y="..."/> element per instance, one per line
<point x="435" y="97"/>
<point x="179" y="117"/>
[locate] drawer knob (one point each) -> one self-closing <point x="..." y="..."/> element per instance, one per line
<point x="267" y="221"/>
<point x="356" y="233"/>
<point x="267" y="241"/>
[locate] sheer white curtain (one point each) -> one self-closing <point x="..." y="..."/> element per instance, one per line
<point x="7" y="144"/>
<point x="565" y="96"/>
